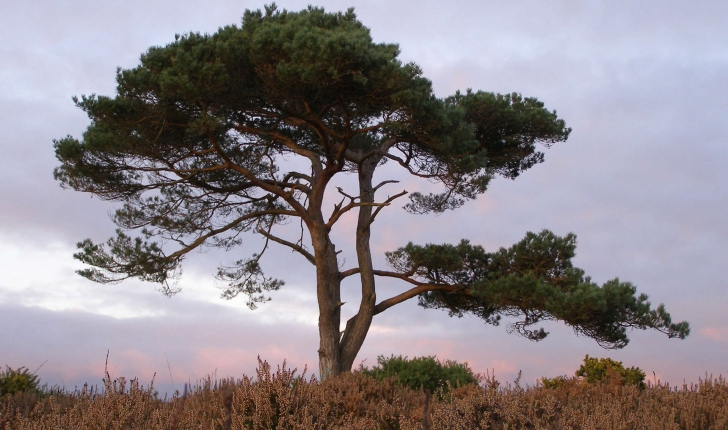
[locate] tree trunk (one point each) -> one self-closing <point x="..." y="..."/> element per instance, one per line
<point x="328" y="291"/>
<point x="358" y="326"/>
<point x="337" y="353"/>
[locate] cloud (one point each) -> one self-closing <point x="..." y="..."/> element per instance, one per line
<point x="718" y="334"/>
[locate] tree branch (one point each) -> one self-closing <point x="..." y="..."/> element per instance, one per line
<point x="423" y="288"/>
<point x="341" y="191"/>
<point x="339" y="211"/>
<point x="386" y="203"/>
<point x="383" y="183"/>
<point x="217" y="231"/>
<point x="406" y="165"/>
<point x="274" y="189"/>
<point x="381" y="151"/>
<point x="291" y="245"/>
<point x="288" y="142"/>
<point x="403" y="276"/>
<point x="349" y="272"/>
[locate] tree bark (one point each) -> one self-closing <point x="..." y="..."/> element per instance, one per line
<point x="328" y="291"/>
<point x="336" y="352"/>
<point x="358" y="326"/>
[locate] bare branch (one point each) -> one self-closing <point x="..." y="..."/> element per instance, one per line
<point x="200" y="240"/>
<point x="386" y="304"/>
<point x="349" y="272"/>
<point x="300" y="238"/>
<point x="291" y="245"/>
<point x="337" y="207"/>
<point x="406" y="165"/>
<point x="368" y="129"/>
<point x="403" y="276"/>
<point x="374" y="190"/>
<point x="298" y="175"/>
<point x="341" y="191"/>
<point x="386" y="203"/>
<point x="339" y="212"/>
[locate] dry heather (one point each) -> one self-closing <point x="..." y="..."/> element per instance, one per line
<point x="354" y="401"/>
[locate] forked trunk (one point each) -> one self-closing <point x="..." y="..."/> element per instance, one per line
<point x="337" y="353"/>
<point x="358" y="326"/>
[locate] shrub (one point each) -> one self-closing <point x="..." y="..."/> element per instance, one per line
<point x="14" y="381"/>
<point x="554" y="382"/>
<point x="602" y="370"/>
<point x="423" y="373"/>
<point x="606" y="369"/>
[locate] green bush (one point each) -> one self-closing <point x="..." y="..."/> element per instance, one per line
<point x="13" y="381"/>
<point x="602" y="370"/>
<point x="605" y="369"/>
<point x="554" y="382"/>
<point x="423" y="373"/>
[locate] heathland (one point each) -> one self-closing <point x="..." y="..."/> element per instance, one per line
<point x="283" y="400"/>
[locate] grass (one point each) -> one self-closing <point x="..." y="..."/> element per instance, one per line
<point x="278" y="400"/>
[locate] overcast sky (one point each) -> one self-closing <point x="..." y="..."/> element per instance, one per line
<point x="641" y="182"/>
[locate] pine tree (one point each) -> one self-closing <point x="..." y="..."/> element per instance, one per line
<point x="193" y="146"/>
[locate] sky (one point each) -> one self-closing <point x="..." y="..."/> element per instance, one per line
<point x="640" y="181"/>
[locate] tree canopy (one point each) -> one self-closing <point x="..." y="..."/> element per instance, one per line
<point x="195" y="146"/>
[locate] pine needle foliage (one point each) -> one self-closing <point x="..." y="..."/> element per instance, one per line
<point x="534" y="280"/>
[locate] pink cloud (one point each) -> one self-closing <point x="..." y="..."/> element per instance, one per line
<point x="500" y="367"/>
<point x="719" y="334"/>
<point x="235" y="362"/>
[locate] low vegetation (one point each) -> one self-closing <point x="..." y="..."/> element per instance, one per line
<point x="424" y="373"/>
<point x="602" y="370"/>
<point x="393" y="395"/>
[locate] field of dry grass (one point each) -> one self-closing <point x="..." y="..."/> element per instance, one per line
<point x="276" y="400"/>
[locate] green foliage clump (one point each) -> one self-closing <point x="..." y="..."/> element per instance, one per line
<point x="423" y="373"/>
<point x="605" y="369"/>
<point x="601" y="370"/>
<point x="14" y="381"/>
<point x="555" y="382"/>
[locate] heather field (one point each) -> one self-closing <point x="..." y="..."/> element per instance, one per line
<point x="282" y="399"/>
